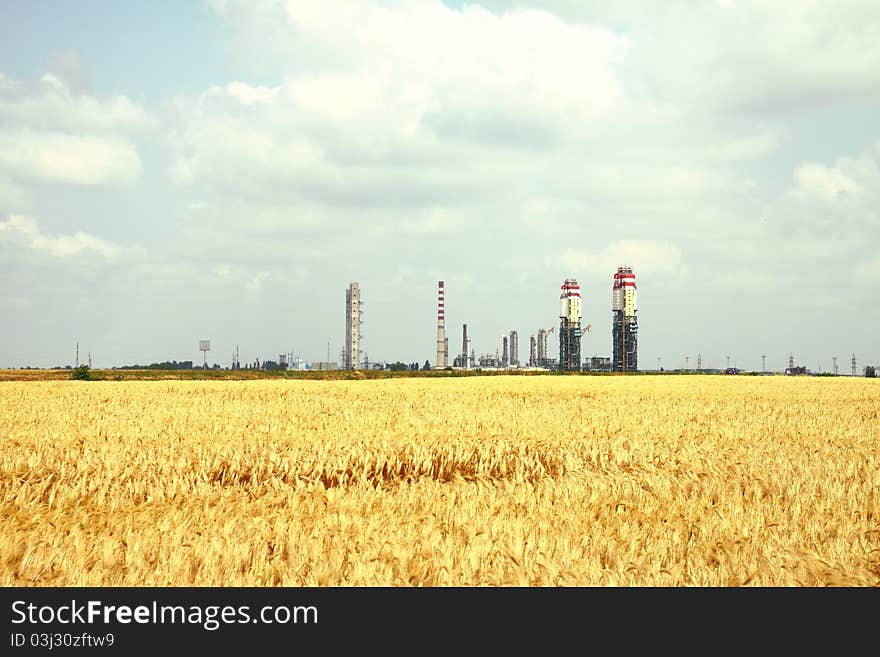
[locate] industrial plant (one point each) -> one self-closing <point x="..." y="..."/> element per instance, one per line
<point x="570" y="333"/>
<point x="542" y="357"/>
<point x="570" y="326"/>
<point x="624" y="331"/>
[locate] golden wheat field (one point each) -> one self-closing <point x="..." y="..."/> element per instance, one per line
<point x="478" y="481"/>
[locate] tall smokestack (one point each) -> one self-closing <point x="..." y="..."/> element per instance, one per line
<point x="442" y="343"/>
<point x="542" y="348"/>
<point x="464" y="346"/>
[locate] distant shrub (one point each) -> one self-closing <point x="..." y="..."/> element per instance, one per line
<point x="83" y="373"/>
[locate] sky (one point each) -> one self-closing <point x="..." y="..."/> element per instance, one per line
<point x="180" y="171"/>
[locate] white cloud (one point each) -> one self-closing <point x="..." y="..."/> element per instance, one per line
<point x="18" y="223"/>
<point x="236" y="275"/>
<point x="50" y="132"/>
<point x="26" y="230"/>
<point x="370" y="91"/>
<point x="645" y="257"/>
<point x="828" y="183"/>
<point x="257" y="281"/>
<point x="249" y="95"/>
<point x="52" y="105"/>
<point x="58" y="157"/>
<point x="749" y="56"/>
<point x="825" y="225"/>
<point x="839" y="199"/>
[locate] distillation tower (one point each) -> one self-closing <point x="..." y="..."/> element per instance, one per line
<point x="352" y="351"/>
<point x="570" y="325"/>
<point x="624" y="329"/>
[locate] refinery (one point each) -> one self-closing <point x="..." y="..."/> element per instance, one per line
<point x="557" y="347"/>
<point x="506" y="355"/>
<point x="569" y="334"/>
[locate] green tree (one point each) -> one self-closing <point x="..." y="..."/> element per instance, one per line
<point x="82" y="373"/>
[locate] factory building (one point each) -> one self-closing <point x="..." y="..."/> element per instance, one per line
<point x="514" y="349"/>
<point x="597" y="364"/>
<point x="533" y="351"/>
<point x="505" y="351"/>
<point x="442" y="340"/>
<point x="352" y="350"/>
<point x="570" y="326"/>
<point x="624" y="329"/>
<point x="462" y="360"/>
<point x="543" y="356"/>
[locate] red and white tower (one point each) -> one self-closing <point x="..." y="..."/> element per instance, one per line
<point x="570" y="325"/>
<point x="624" y="329"/>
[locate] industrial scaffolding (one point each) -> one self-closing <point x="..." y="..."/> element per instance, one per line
<point x="625" y="339"/>
<point x="352" y="348"/>
<point x="570" y="326"/>
<point x="624" y="326"/>
<point x="569" y="345"/>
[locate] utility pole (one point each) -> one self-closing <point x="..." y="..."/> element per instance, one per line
<point x="77" y="357"/>
<point x="834" y="360"/>
<point x="686" y="362"/>
<point x="853" y="364"/>
<point x="763" y="363"/>
<point x="658" y="363"/>
<point x="728" y="362"/>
